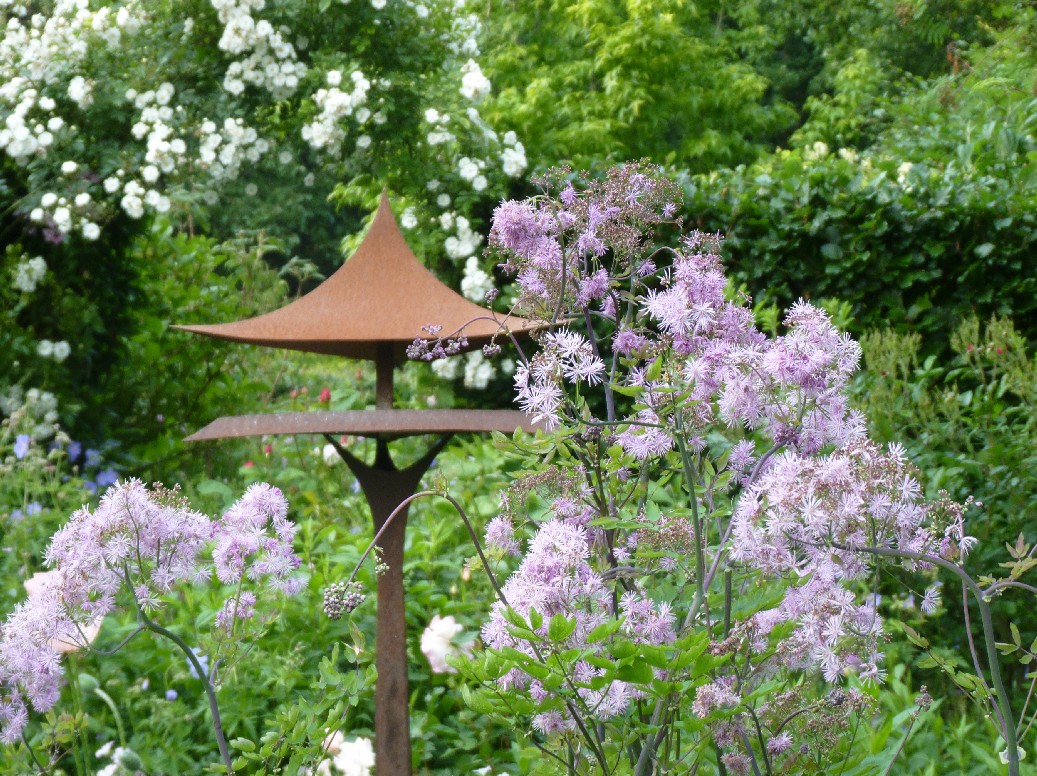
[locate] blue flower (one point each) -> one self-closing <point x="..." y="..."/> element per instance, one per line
<point x="171" y="695"/>
<point x="34" y="508"/>
<point x="74" y="451"/>
<point x="21" y="446"/>
<point x="93" y="457"/>
<point x="106" y="478"/>
<point x="203" y="659"/>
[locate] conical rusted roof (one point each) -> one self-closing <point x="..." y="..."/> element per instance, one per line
<point x="381" y="294"/>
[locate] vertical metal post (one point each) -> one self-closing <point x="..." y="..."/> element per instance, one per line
<point x="383" y="364"/>
<point x="385" y="487"/>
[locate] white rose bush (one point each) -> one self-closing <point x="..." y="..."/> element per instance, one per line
<point x="121" y="119"/>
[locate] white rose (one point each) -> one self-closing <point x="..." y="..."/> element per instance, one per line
<point x="437" y="643"/>
<point x="61" y="351"/>
<point x="355" y="758"/>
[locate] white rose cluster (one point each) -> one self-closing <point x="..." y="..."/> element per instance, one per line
<point x="464" y="31"/>
<point x="223" y="149"/>
<point x="437" y="643"/>
<point x="64" y="215"/>
<point x="478" y="371"/>
<point x="475" y="368"/>
<point x="513" y="156"/>
<point x="335" y="105"/>
<point x="164" y="151"/>
<point x="37" y="52"/>
<point x="474" y="85"/>
<point x="270" y="61"/>
<point x="23" y="137"/>
<point x="464" y="243"/>
<point x="471" y="171"/>
<point x="475" y="283"/>
<point x="58" y="351"/>
<point x="439" y="135"/>
<point x="29" y="273"/>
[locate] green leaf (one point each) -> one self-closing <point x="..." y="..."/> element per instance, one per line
<point x="560" y="628"/>
<point x="243" y="744"/>
<point x="536" y="620"/>
<point x="638" y="673"/>
<point x="914" y="637"/>
<point x="603" y="631"/>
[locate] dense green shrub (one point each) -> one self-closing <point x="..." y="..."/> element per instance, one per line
<point x="970" y="425"/>
<point x="933" y="222"/>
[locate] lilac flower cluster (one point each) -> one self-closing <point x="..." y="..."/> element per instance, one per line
<point x="141" y="542"/>
<point x="555" y="577"/>
<point x="566" y="356"/>
<point x="795" y="492"/>
<point x="433" y="346"/>
<point x="552" y="246"/>
<point x="806" y="515"/>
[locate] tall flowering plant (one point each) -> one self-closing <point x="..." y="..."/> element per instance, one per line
<point x="708" y="517"/>
<point x="131" y="552"/>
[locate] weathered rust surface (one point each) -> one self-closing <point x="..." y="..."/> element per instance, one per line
<point x="370" y="423"/>
<point x="382" y="294"/>
<point x="385" y="487"/>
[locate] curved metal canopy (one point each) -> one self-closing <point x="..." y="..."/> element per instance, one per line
<point x="382" y="294"/>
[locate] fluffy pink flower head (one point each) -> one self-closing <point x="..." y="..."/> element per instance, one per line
<point x="143" y="543"/>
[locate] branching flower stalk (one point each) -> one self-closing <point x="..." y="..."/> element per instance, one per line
<point x="140" y="544"/>
<point x="691" y="442"/>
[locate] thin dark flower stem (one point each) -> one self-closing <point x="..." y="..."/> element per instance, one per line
<point x="109" y="652"/>
<point x="1032" y="718"/>
<point x="763" y="743"/>
<point x="791" y="717"/>
<point x="727" y="601"/>
<point x="647" y="751"/>
<point x="594" y="744"/>
<point x="1007" y="731"/>
<point x="849" y="747"/>
<point x="903" y="743"/>
<point x="544" y="750"/>
<point x="214" y="706"/>
<point x="1022" y="714"/>
<point x="32" y="754"/>
<point x="610" y="399"/>
<point x="561" y="293"/>
<point x="1010" y="583"/>
<point x="689" y="476"/>
<point x="972" y="648"/>
<point x="752" y="755"/>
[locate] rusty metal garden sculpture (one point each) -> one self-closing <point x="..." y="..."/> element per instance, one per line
<point x="372" y="308"/>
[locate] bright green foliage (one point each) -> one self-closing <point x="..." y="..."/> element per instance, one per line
<point x="933" y="221"/>
<point x="970" y="425"/>
<point x="599" y="81"/>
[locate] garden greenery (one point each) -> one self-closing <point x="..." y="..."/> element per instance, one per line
<point x="168" y="162"/>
